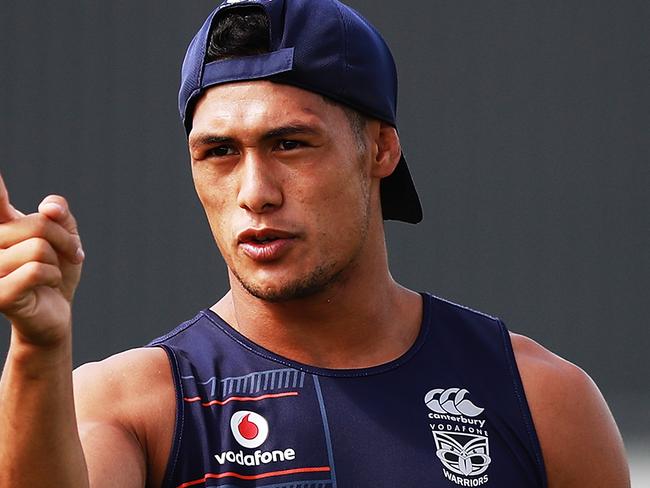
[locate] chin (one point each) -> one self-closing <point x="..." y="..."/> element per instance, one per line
<point x="317" y="281"/>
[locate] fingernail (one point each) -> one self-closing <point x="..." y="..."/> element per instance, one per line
<point x="80" y="255"/>
<point x="53" y="207"/>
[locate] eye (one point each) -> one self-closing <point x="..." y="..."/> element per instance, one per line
<point x="288" y="145"/>
<point x="221" y="151"/>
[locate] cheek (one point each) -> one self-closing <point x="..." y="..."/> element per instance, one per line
<point x="344" y="197"/>
<point x="337" y="208"/>
<point x="331" y="182"/>
<point x="213" y="188"/>
<point x="215" y="197"/>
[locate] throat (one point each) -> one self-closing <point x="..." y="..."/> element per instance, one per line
<point x="329" y="336"/>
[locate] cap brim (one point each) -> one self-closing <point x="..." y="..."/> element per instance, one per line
<point x="399" y="198"/>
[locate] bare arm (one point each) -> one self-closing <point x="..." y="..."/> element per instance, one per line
<point x="580" y="442"/>
<point x="126" y="409"/>
<point x="40" y="266"/>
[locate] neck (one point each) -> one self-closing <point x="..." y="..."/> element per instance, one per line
<point x="364" y="320"/>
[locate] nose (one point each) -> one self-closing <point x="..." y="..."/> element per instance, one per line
<point x="259" y="187"/>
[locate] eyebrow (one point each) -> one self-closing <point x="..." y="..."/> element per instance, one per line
<point x="276" y="133"/>
<point x="208" y="139"/>
<point x="289" y="130"/>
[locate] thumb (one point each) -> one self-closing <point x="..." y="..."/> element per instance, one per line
<point x="56" y="208"/>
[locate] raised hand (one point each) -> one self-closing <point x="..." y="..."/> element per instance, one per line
<point x="40" y="266"/>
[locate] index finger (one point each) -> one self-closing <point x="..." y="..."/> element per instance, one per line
<point x="7" y="212"/>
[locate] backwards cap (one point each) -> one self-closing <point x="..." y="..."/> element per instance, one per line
<point x="322" y="46"/>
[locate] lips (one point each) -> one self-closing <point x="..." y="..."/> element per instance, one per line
<point x="264" y="245"/>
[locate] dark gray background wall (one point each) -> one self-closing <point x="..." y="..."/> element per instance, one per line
<point x="526" y="126"/>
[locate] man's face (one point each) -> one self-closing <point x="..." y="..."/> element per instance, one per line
<point x="284" y="184"/>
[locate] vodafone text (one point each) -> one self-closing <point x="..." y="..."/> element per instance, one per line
<point x="257" y="458"/>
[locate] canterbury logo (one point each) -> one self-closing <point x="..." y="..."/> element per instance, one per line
<point x="453" y="401"/>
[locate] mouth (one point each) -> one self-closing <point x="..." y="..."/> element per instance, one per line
<point x="261" y="236"/>
<point x="262" y="240"/>
<point x="264" y="245"/>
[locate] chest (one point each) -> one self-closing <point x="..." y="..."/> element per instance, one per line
<point x="281" y="426"/>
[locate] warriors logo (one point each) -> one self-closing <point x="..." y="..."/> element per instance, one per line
<point x="460" y="434"/>
<point x="464" y="454"/>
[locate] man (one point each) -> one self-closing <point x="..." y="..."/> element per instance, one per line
<point x="316" y="369"/>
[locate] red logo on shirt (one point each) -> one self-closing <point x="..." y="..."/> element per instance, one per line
<point x="249" y="429"/>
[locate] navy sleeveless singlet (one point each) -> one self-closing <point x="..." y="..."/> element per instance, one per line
<point x="450" y="412"/>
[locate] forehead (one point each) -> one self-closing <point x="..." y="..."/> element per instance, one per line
<point x="252" y="104"/>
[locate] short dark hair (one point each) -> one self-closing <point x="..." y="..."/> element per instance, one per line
<point x="244" y="31"/>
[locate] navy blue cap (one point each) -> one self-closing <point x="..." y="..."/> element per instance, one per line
<point x="322" y="46"/>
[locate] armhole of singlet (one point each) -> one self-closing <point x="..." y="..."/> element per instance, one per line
<point x="523" y="403"/>
<point x="178" y="422"/>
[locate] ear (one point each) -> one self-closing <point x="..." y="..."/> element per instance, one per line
<point x="387" y="149"/>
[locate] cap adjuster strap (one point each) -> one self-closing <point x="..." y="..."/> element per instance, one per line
<point x="248" y="67"/>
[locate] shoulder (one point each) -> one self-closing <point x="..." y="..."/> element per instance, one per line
<point x="542" y="368"/>
<point x="127" y="400"/>
<point x="580" y="442"/>
<point x="130" y="387"/>
<point x="554" y="385"/>
<point x="126" y="376"/>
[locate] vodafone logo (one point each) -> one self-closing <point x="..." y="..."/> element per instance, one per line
<point x="249" y="429"/>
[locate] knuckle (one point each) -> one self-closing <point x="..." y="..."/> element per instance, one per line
<point x="37" y="273"/>
<point x="40" y="248"/>
<point x="40" y="224"/>
<point x="34" y="270"/>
